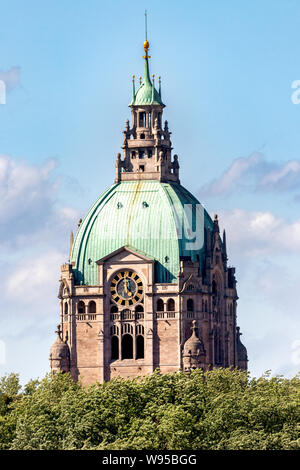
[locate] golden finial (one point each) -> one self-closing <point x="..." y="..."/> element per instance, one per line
<point x="153" y="76"/>
<point x="140" y="80"/>
<point x="133" y="78"/>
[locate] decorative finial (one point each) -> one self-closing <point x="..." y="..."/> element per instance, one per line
<point x="216" y="217"/>
<point x="58" y="331"/>
<point x="140" y="79"/>
<point x="159" y="83"/>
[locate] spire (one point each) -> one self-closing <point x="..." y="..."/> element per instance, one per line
<point x="146" y="93"/>
<point x="133" y="88"/>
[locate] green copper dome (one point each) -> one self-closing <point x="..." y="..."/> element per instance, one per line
<point x="146" y="216"/>
<point x="146" y="94"/>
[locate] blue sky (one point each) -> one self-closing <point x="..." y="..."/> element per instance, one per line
<point x="227" y="68"/>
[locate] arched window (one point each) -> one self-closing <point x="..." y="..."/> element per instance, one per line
<point x="214" y="287"/>
<point x="142" y="136"/>
<point x="190" y="305"/>
<point x="92" y="307"/>
<point x="139" y="308"/>
<point x="171" y="305"/>
<point x="142" y="119"/>
<point x="66" y="308"/>
<point x="114" y="348"/>
<point x="160" y="305"/>
<point x="127" y="346"/>
<point x="202" y="305"/>
<point x="140" y="347"/>
<point x="206" y="308"/>
<point x="81" y="307"/>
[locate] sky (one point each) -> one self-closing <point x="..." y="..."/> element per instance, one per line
<point x="229" y="79"/>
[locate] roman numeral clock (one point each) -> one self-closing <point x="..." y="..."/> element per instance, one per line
<point x="126" y="288"/>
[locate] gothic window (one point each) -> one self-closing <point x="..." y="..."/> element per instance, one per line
<point x="190" y="305"/>
<point x="141" y="153"/>
<point x="92" y="307"/>
<point x="142" y="119"/>
<point x="159" y="119"/>
<point x="214" y="287"/>
<point x="133" y="154"/>
<point x="160" y="305"/>
<point x="140" y="347"/>
<point x="139" y="308"/>
<point x="114" y="330"/>
<point x="142" y="168"/>
<point x="127" y="346"/>
<point x="126" y="314"/>
<point x="66" y="308"/>
<point x="114" y="348"/>
<point x="149" y="153"/>
<point x="81" y="307"/>
<point x="230" y="309"/>
<point x="217" y="347"/>
<point x="127" y="328"/>
<point x="171" y="305"/>
<point x="206" y="307"/>
<point x="142" y="136"/>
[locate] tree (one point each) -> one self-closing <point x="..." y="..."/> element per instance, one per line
<point x="219" y="409"/>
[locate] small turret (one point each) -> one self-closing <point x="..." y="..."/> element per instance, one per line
<point x="193" y="351"/>
<point x="59" y="355"/>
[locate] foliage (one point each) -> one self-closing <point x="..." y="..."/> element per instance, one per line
<point x="219" y="409"/>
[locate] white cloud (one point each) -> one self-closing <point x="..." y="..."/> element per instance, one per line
<point x="254" y="173"/>
<point x="33" y="283"/>
<point x="256" y="232"/>
<point x="28" y="203"/>
<point x="11" y="77"/>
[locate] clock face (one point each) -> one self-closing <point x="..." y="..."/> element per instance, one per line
<point x="126" y="288"/>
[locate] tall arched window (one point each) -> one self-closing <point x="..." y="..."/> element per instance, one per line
<point x="127" y="346"/>
<point x="190" y="305"/>
<point x="140" y="347"/>
<point x="92" y="307"/>
<point x="66" y="308"/>
<point x="160" y="305"/>
<point x="81" y="307"/>
<point x="114" y="347"/>
<point x="171" y="305"/>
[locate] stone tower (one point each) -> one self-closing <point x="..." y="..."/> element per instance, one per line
<point x="147" y="285"/>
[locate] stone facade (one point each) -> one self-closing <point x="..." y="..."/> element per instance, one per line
<point x="128" y="324"/>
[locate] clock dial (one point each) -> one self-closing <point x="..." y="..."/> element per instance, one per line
<point x="126" y="288"/>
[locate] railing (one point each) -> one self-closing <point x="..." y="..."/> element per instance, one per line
<point x="86" y="316"/>
<point x="166" y="315"/>
<point x="127" y="316"/>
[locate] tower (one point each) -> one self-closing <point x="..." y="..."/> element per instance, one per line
<point x="147" y="285"/>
